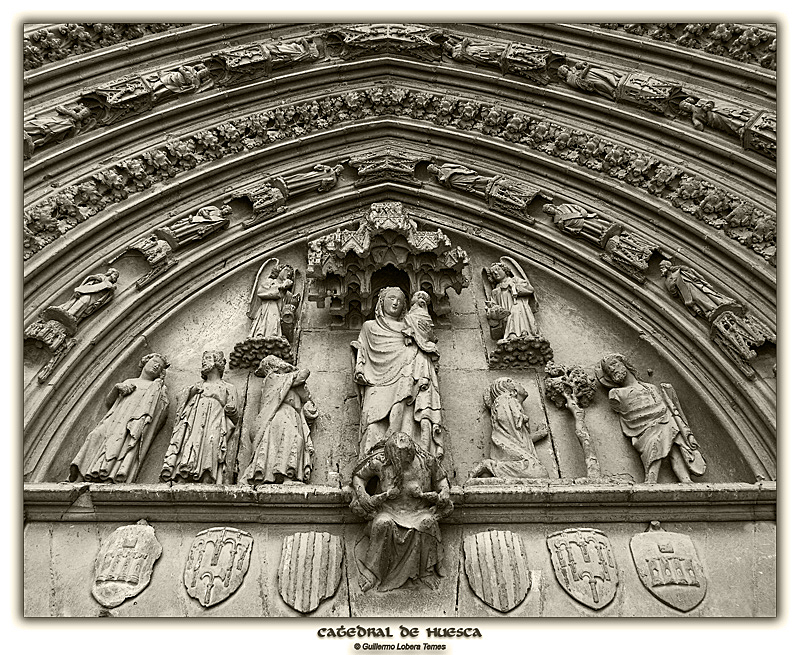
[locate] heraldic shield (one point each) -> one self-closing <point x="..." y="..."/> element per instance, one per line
<point x="584" y="565"/>
<point x="125" y="563"/>
<point x="310" y="569"/>
<point x="669" y="567"/>
<point x="497" y="569"/>
<point x="217" y="563"/>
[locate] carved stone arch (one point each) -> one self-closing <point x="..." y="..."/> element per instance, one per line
<point x="661" y="180"/>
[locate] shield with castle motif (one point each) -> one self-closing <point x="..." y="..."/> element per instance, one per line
<point x="125" y="563"/>
<point x="669" y="567"/>
<point x="217" y="563"/>
<point x="584" y="565"/>
<point x="496" y="568"/>
<point x="310" y="569"/>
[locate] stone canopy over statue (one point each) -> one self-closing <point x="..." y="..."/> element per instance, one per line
<point x="396" y="376"/>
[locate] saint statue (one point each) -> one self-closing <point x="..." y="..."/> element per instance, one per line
<point x="511" y="452"/>
<point x="652" y="419"/>
<point x="115" y="449"/>
<point x="404" y="540"/>
<point x="94" y="292"/>
<point x="697" y="294"/>
<point x="509" y="301"/>
<point x="207" y="415"/>
<point x="269" y="299"/>
<point x="280" y="436"/>
<point x="396" y="376"/>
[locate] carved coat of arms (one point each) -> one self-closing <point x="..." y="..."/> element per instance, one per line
<point x="584" y="565"/>
<point x="497" y="568"/>
<point x="669" y="567"/>
<point x="217" y="563"/>
<point x="125" y="563"/>
<point x="310" y="569"/>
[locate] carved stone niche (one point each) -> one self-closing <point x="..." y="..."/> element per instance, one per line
<point x="358" y="40"/>
<point x="346" y="269"/>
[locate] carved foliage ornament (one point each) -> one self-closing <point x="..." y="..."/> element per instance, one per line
<point x="217" y="563"/>
<point x="125" y="563"/>
<point x="584" y="565"/>
<point x="310" y="569"/>
<point x="55" y="215"/>
<point x="668" y="566"/>
<point x="497" y="568"/>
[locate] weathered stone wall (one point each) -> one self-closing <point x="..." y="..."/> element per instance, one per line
<point x="738" y="558"/>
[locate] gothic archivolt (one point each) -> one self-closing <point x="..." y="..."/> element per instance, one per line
<point x="408" y="298"/>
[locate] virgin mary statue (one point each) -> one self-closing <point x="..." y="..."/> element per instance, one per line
<point x="397" y="380"/>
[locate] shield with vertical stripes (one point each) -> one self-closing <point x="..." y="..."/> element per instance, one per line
<point x="497" y="569"/>
<point x="310" y="569"/>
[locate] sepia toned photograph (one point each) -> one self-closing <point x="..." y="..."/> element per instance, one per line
<point x="380" y="320"/>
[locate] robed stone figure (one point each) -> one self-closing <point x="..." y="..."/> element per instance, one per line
<point x="397" y="379"/>
<point x="402" y="541"/>
<point x="207" y="415"/>
<point x="115" y="449"/>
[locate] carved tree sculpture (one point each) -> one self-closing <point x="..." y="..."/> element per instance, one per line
<point x="342" y="265"/>
<point x="273" y="309"/>
<point x="511" y="450"/>
<point x="402" y="540"/>
<point x="510" y="306"/>
<point x="571" y="387"/>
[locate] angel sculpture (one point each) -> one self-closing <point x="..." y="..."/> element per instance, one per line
<point x="273" y="308"/>
<point x="510" y="306"/>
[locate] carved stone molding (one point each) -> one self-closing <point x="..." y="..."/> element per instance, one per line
<point x="56" y="214"/>
<point x="745" y="43"/>
<point x="341" y="265"/>
<point x="55" y="43"/>
<point x="395" y="38"/>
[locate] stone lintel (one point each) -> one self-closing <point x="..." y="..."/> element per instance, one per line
<point x="548" y="502"/>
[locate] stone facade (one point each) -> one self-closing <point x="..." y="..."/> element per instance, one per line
<point x="374" y="345"/>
